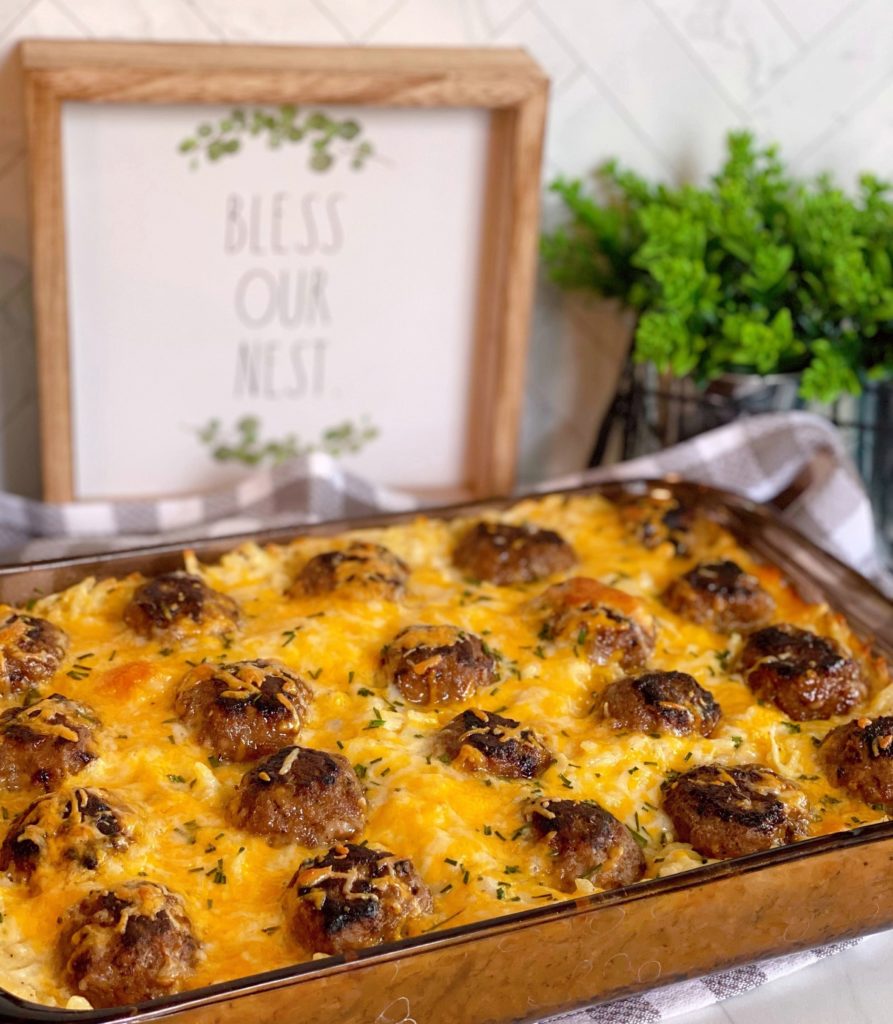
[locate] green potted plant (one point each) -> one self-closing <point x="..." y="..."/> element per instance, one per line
<point x="757" y="291"/>
<point x="756" y="272"/>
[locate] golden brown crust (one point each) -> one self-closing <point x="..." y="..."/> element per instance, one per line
<point x="482" y="741"/>
<point x="503" y="553"/>
<point x="359" y="572"/>
<point x="653" y="522"/>
<point x="722" y="596"/>
<point x="806" y="675"/>
<point x="44" y="743"/>
<point x="602" y="623"/>
<point x="300" y="796"/>
<point x="31" y="650"/>
<point x="74" y="829"/>
<point x="436" y="664"/>
<point x="664" y="703"/>
<point x="731" y="810"/>
<point x="858" y="757"/>
<point x="176" y="604"/>
<point x="126" y="945"/>
<point x="586" y="841"/>
<point x="352" y="897"/>
<point x="245" y="709"/>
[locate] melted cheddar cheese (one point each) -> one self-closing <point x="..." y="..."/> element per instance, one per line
<point x="465" y="833"/>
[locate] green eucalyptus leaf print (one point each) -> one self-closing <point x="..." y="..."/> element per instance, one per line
<point x="328" y="139"/>
<point x="244" y="441"/>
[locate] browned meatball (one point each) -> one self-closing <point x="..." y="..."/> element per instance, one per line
<point x="605" y="624"/>
<point x="71" y="828"/>
<point x="31" y="650"/>
<point x="668" y="703"/>
<point x="42" y="744"/>
<point x="807" y="676"/>
<point x="478" y="740"/>
<point x="654" y="521"/>
<point x="436" y="664"/>
<point x="178" y="603"/>
<point x="720" y="595"/>
<point x="858" y="757"/>
<point x="244" y="710"/>
<point x="351" y="897"/>
<point x="727" y="811"/>
<point x="360" y="572"/>
<point x="300" y="796"/>
<point x="126" y="945"/>
<point x="502" y="553"/>
<point x="586" y="841"/>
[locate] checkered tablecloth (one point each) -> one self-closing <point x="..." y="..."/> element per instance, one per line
<point x="760" y="457"/>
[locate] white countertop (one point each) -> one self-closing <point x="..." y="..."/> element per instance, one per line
<point x="852" y="987"/>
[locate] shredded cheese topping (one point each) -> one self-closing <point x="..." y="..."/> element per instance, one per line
<point x="466" y="833"/>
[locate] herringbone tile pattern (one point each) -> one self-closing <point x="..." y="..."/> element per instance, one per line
<point x="655" y="82"/>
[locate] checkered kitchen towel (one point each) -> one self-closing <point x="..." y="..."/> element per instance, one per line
<point x="760" y="456"/>
<point x="794" y="453"/>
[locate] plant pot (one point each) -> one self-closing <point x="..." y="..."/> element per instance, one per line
<point x="653" y="411"/>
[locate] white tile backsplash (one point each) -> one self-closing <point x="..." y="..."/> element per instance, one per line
<point x="742" y="37"/>
<point x="657" y="83"/>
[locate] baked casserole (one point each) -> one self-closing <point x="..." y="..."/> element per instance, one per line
<point x="311" y="748"/>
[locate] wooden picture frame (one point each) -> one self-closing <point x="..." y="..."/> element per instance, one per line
<point x="507" y="84"/>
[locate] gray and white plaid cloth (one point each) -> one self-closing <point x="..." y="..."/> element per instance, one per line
<point x="759" y="457"/>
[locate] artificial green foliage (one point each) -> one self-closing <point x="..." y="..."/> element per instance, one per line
<point x="326" y="137"/>
<point x="756" y="272"/>
<point x="244" y="443"/>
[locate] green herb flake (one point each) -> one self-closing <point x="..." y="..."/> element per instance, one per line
<point x="374" y="723"/>
<point x="639" y="838"/>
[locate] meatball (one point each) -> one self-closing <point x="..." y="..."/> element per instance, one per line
<point x="605" y="624"/>
<point x="360" y="572"/>
<point x="720" y="595"/>
<point x="586" y="841"/>
<point x="436" y="664"/>
<point x="71" y="828"/>
<point x="300" y="796"/>
<point x="244" y="710"/>
<point x="127" y="944"/>
<point x="31" y="650"/>
<point x="727" y="811"/>
<point x="42" y="744"/>
<point x="502" y="553"/>
<point x="178" y="603"/>
<point x="352" y="897"/>
<point x="807" y="676"/>
<point x="858" y="757"/>
<point x="654" y="521"/>
<point x="483" y="741"/>
<point x="668" y="703"/>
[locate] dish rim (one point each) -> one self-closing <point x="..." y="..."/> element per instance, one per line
<point x="750" y="514"/>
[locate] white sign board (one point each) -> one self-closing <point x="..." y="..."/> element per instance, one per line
<point x="247" y="282"/>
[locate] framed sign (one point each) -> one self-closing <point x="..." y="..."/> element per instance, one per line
<point x="243" y="253"/>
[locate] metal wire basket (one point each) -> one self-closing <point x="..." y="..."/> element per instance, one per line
<point x="651" y="412"/>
